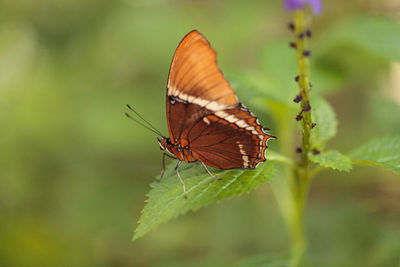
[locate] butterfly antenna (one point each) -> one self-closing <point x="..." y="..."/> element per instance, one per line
<point x="144" y="125"/>
<point x="148" y="123"/>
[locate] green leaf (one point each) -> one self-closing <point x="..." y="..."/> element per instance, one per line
<point x="326" y="124"/>
<point x="275" y="156"/>
<point x="332" y="159"/>
<point x="383" y="152"/>
<point x="253" y="84"/>
<point x="377" y="35"/>
<point x="166" y="200"/>
<point x="326" y="77"/>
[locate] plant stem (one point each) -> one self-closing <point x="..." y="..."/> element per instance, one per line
<point x="301" y="177"/>
<point x="300" y="185"/>
<point x="304" y="82"/>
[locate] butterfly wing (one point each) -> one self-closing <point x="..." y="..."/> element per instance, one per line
<point x="203" y="112"/>
<point x="228" y="139"/>
<point x="196" y="87"/>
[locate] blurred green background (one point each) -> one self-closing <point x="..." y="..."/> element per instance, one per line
<point x="74" y="171"/>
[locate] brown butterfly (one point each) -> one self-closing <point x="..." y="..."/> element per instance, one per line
<point x="206" y="122"/>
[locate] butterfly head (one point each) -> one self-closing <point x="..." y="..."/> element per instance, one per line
<point x="165" y="144"/>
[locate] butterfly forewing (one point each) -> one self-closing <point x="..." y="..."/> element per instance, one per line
<point x="195" y="78"/>
<point x="194" y="73"/>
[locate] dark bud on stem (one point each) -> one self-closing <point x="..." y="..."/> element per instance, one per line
<point x="301" y="35"/>
<point x="316" y="151"/>
<point x="313" y="125"/>
<point x="297" y="99"/>
<point x="291" y="26"/>
<point x="306" y="53"/>
<point x="297" y="78"/>
<point x="293" y="45"/>
<point x="308" y="33"/>
<point x="299" y="117"/>
<point x="299" y="149"/>
<point x="307" y="107"/>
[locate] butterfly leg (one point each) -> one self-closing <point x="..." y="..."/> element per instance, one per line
<point x="212" y="175"/>
<point x="163" y="166"/>
<point x="180" y="179"/>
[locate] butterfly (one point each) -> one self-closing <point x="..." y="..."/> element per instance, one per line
<point x="206" y="123"/>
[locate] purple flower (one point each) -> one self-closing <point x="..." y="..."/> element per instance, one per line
<point x="291" y="5"/>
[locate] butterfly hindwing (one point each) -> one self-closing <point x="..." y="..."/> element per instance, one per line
<point x="228" y="140"/>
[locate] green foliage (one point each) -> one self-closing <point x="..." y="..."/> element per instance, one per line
<point x="166" y="200"/>
<point x="383" y="152"/>
<point x="332" y="159"/>
<point x="74" y="170"/>
<point x="279" y="64"/>
<point x="277" y="157"/>
<point x="379" y="36"/>
<point x="265" y="260"/>
<point x="385" y="111"/>
<point x="326" y="124"/>
<point x="325" y="76"/>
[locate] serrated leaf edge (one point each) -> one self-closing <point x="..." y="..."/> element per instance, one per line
<point x="235" y="177"/>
